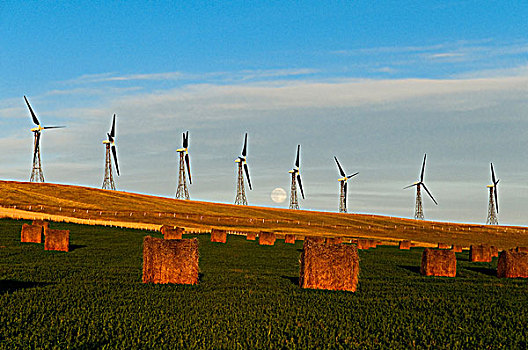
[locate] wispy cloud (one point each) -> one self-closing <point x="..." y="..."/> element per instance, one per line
<point x="242" y="75"/>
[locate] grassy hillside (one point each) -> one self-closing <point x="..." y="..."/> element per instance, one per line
<point x="90" y="203"/>
<point x="248" y="297"/>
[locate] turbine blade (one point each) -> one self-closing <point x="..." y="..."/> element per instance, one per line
<point x="54" y="127"/>
<point x="429" y="193"/>
<point x="410" y="186"/>
<point x="188" y="163"/>
<point x="244" y="150"/>
<point x="114" y="152"/>
<point x="185" y="140"/>
<point x="35" y="120"/>
<point x="349" y="176"/>
<point x="297" y="159"/>
<point x="112" y="131"/>
<point x="492" y="174"/>
<point x="345" y="190"/>
<point x="341" y="171"/>
<point x="300" y="184"/>
<point x="496" y="198"/>
<point x="247" y="175"/>
<point x="423" y="169"/>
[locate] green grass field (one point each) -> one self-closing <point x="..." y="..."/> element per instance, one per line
<point x="92" y="297"/>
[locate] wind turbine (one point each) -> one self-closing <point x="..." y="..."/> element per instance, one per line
<point x="108" y="181"/>
<point x="493" y="205"/>
<point x="296" y="177"/>
<point x="343" y="184"/>
<point x="240" y="198"/>
<point x="37" y="175"/>
<point x="182" y="192"/>
<point x="418" y="212"/>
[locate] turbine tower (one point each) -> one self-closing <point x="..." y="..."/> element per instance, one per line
<point x="343" y="184"/>
<point x="296" y="177"/>
<point x="240" y="198"/>
<point x="493" y="205"/>
<point x="182" y="192"/>
<point x="418" y="212"/>
<point x="108" y="181"/>
<point x="37" y="175"/>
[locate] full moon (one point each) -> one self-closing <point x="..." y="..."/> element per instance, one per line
<point x="278" y="195"/>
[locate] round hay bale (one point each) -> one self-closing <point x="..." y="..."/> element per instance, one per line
<point x="218" y="236"/>
<point x="170" y="261"/>
<point x="480" y="253"/>
<point x="363" y="243"/>
<point x="405" y="245"/>
<point x="172" y="232"/>
<point x="267" y="238"/>
<point x="314" y="239"/>
<point x="456" y="248"/>
<point x="290" y="239"/>
<point x="438" y="263"/>
<point x="512" y="264"/>
<point x="251" y="236"/>
<point x="332" y="267"/>
<point x="42" y="223"/>
<point x="334" y="240"/>
<point x="57" y="240"/>
<point x="31" y="233"/>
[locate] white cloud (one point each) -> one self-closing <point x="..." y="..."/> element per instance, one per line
<point x="380" y="128"/>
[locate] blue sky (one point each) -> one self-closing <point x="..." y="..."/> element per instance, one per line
<point x="377" y="84"/>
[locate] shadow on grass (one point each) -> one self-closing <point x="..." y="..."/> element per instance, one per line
<point x="76" y="246"/>
<point x="294" y="280"/>
<point x="7" y="286"/>
<point x="413" y="269"/>
<point x="482" y="269"/>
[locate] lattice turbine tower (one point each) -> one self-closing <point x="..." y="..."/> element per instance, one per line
<point x="296" y="177"/>
<point x="37" y="175"/>
<point x="240" y="198"/>
<point x="182" y="192"/>
<point x="418" y="210"/>
<point x="493" y="203"/>
<point x="110" y="150"/>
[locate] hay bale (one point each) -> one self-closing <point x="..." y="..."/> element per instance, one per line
<point x="443" y="246"/>
<point x="57" y="240"/>
<point x="334" y="240"/>
<point x="480" y="253"/>
<point x="456" y="248"/>
<point x="170" y="261"/>
<point x="42" y="223"/>
<point x="522" y="249"/>
<point x="314" y="239"/>
<point x="438" y="263"/>
<point x="494" y="251"/>
<point x="219" y="236"/>
<point x="372" y="243"/>
<point x="31" y="234"/>
<point x="512" y="264"/>
<point x="172" y="232"/>
<point x="405" y="245"/>
<point x="363" y="243"/>
<point x="290" y="239"/>
<point x="333" y="267"/>
<point x="267" y="238"/>
<point x="251" y="236"/>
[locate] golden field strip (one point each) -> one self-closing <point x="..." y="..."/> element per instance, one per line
<point x="102" y="207"/>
